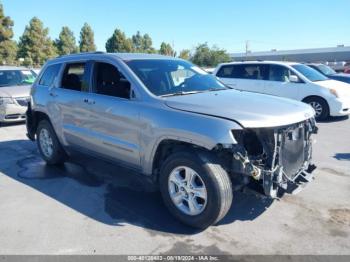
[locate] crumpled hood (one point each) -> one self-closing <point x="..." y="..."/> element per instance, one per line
<point x="343" y="89"/>
<point x="251" y="110"/>
<point x="15" y="91"/>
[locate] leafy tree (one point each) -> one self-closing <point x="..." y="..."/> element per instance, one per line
<point x="185" y="54"/>
<point x="206" y="56"/>
<point x="66" y="43"/>
<point x="8" y="47"/>
<point x="87" y="39"/>
<point x="35" y="46"/>
<point x="142" y="43"/>
<point x="166" y="49"/>
<point x="118" y="42"/>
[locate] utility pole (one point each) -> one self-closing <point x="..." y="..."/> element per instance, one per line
<point x="246" y="48"/>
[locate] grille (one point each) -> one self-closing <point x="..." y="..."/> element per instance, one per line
<point x="293" y="151"/>
<point x="22" y="101"/>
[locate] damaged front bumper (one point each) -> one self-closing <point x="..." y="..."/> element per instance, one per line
<point x="279" y="158"/>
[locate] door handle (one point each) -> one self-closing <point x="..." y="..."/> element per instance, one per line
<point x="89" y="101"/>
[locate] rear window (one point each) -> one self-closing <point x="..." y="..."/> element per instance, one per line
<point x="49" y="75"/>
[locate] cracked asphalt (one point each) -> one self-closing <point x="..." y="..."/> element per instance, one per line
<point x="94" y="208"/>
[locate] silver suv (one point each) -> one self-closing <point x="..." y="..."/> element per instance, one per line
<point x="175" y="124"/>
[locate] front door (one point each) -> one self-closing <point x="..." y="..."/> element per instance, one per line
<point x="114" y="116"/>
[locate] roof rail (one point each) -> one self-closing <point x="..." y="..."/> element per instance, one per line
<point x="83" y="53"/>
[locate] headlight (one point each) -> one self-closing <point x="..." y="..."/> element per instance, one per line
<point x="6" y="100"/>
<point x="334" y="92"/>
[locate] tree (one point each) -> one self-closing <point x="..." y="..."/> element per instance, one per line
<point x="8" y="47"/>
<point x="66" y="43"/>
<point x="87" y="39"/>
<point x="166" y="49"/>
<point x="206" y="56"/>
<point x="142" y="44"/>
<point x="35" y="46"/>
<point x="118" y="42"/>
<point x="185" y="54"/>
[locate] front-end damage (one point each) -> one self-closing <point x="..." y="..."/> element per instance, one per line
<point x="276" y="157"/>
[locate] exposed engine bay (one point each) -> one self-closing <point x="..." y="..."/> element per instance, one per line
<point x="276" y="157"/>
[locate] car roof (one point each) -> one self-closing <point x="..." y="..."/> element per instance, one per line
<point x="5" y="68"/>
<point x="262" y="62"/>
<point x="121" y="56"/>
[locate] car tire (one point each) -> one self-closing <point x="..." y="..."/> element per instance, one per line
<point x="320" y="106"/>
<point x="49" y="147"/>
<point x="210" y="183"/>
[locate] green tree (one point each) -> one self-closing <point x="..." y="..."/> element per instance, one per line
<point x="118" y="42"/>
<point x="206" y="56"/>
<point x="185" y="54"/>
<point x="66" y="43"/>
<point x="8" y="47"/>
<point x="87" y="39"/>
<point x="166" y="49"/>
<point x="142" y="43"/>
<point x="35" y="46"/>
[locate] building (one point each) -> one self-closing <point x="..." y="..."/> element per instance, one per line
<point x="331" y="54"/>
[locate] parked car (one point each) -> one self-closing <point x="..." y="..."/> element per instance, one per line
<point x="174" y="123"/>
<point x="14" y="93"/>
<point x="347" y="68"/>
<point x="290" y="80"/>
<point x="330" y="73"/>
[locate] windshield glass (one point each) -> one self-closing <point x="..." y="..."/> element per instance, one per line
<point x="173" y="77"/>
<point x="326" y="70"/>
<point x="310" y="73"/>
<point x="16" y="77"/>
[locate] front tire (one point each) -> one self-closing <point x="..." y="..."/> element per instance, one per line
<point x="195" y="188"/>
<point x="48" y="144"/>
<point x="320" y="106"/>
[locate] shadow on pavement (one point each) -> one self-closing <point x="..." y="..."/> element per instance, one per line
<point x="333" y="119"/>
<point x="106" y="193"/>
<point x="342" y="156"/>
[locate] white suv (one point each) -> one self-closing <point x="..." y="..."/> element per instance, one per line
<point x="292" y="80"/>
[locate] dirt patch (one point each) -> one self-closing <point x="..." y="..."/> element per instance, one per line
<point x="340" y="216"/>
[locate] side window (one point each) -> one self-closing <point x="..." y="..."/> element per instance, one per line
<point x="109" y="81"/>
<point x="225" y="71"/>
<point x="250" y="71"/>
<point x="73" y="77"/>
<point x="48" y="77"/>
<point x="279" y="73"/>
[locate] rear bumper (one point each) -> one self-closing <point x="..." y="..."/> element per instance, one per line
<point x="12" y="113"/>
<point x="339" y="107"/>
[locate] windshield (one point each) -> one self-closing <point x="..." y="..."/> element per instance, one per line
<point x="16" y="77"/>
<point x="326" y="70"/>
<point x="310" y="73"/>
<point x="173" y="77"/>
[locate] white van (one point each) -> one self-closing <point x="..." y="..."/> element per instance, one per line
<point x="292" y="80"/>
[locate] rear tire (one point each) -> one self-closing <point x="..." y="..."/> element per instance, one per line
<point x="320" y="106"/>
<point x="49" y="147"/>
<point x="208" y="193"/>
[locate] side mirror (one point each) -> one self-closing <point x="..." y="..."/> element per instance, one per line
<point x="294" y="79"/>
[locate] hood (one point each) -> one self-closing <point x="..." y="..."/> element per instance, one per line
<point x="15" y="91"/>
<point x="341" y="77"/>
<point x="343" y="89"/>
<point x="251" y="110"/>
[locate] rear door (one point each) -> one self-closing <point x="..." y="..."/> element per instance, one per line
<point x="247" y="77"/>
<point x="278" y="83"/>
<point x="70" y="109"/>
<point x="114" y="116"/>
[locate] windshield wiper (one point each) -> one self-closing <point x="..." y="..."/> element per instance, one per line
<point x="182" y="93"/>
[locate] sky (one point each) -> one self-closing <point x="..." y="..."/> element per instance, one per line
<point x="228" y="24"/>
